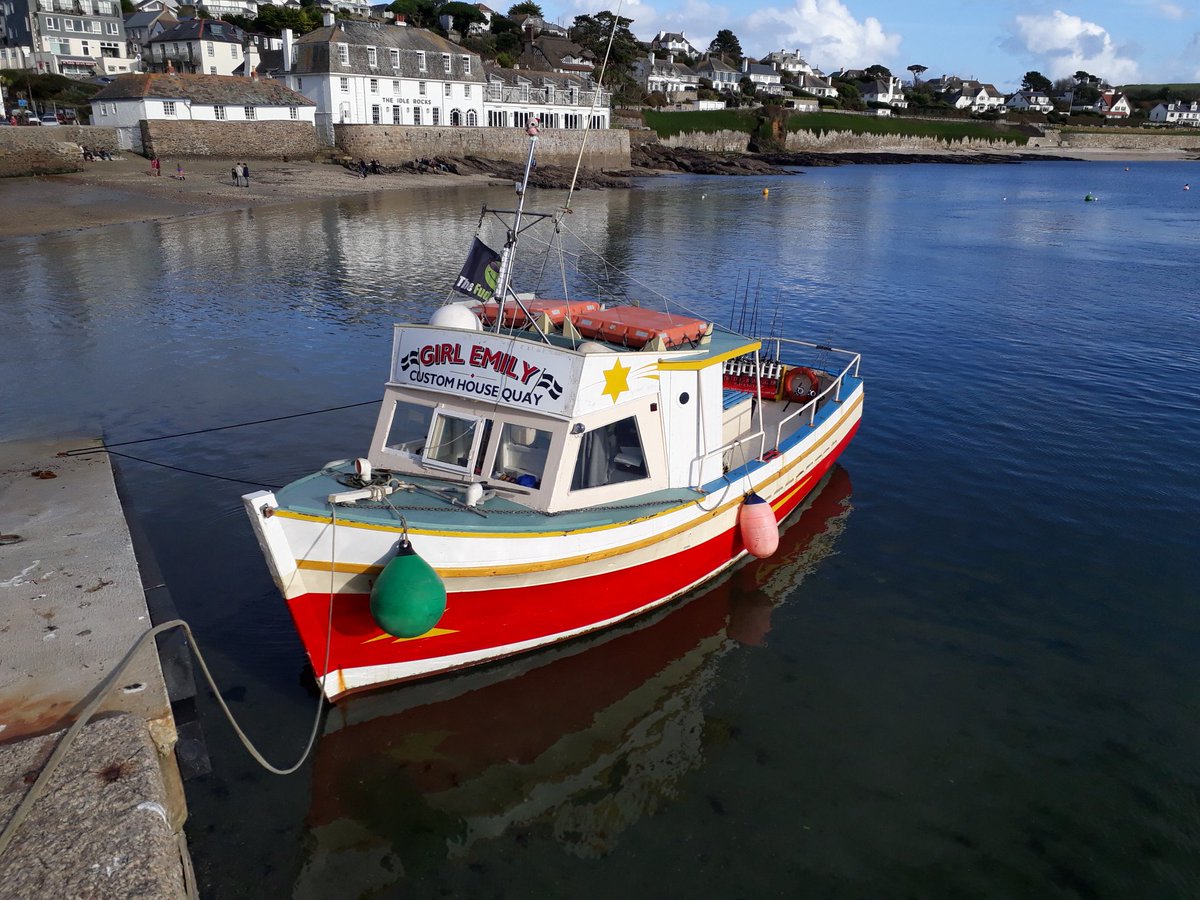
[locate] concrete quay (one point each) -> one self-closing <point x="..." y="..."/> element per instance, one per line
<point x="71" y="606"/>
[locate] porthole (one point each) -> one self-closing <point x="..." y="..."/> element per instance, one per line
<point x="684" y="398"/>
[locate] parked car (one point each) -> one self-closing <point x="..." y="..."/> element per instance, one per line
<point x="50" y="119"/>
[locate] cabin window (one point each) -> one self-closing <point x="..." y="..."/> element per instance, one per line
<point x="452" y="441"/>
<point x="609" y="454"/>
<point x="410" y="425"/>
<point x="521" y="455"/>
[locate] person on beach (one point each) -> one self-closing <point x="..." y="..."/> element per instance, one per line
<point x="155" y="165"/>
<point x="179" y="171"/>
<point x="362" y="168"/>
<point x="236" y="172"/>
<point x="246" y="175"/>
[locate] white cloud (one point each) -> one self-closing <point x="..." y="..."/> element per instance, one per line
<point x="1064" y="44"/>
<point x="1171" y="11"/>
<point x="825" y="32"/>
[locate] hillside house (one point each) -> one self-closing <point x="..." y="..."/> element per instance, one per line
<point x="666" y="76"/>
<point x="672" y="43"/>
<point x="551" y="53"/>
<point x="724" y="77"/>
<point x="195" y="46"/>
<point x="1030" y="101"/>
<point x="766" y="79"/>
<point x="1177" y="113"/>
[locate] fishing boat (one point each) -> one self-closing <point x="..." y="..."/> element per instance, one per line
<point x="544" y="467"/>
<point x="581" y="741"/>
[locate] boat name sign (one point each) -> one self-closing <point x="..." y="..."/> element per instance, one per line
<point x="515" y="373"/>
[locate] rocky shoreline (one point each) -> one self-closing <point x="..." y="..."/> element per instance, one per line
<point x="652" y="159"/>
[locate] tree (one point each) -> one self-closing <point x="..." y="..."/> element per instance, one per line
<point x="592" y="33"/>
<point x="418" y="13"/>
<point x="1036" y="81"/>
<point x="726" y="45"/>
<point x="917" y="71"/>
<point x="878" y="71"/>
<point x="525" y="8"/>
<point x="462" y="15"/>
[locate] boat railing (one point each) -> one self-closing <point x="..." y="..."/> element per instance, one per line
<point x="832" y="392"/>
<point x="759" y="436"/>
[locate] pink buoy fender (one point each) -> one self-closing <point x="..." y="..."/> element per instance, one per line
<point x="760" y="531"/>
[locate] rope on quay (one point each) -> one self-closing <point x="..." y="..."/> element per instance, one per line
<point x="105" y="687"/>
<point x="83" y="451"/>
<point x="108" y="448"/>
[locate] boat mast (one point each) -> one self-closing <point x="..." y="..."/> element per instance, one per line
<point x="504" y="277"/>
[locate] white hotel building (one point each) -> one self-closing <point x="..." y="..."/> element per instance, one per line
<point x="364" y="73"/>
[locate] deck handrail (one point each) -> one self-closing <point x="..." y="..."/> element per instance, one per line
<point x="762" y="449"/>
<point x="836" y="388"/>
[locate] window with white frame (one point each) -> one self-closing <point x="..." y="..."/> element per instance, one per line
<point x="212" y="70"/>
<point x="212" y="49"/>
<point x="472" y="118"/>
<point x="421" y="88"/>
<point x="112" y="27"/>
<point x="436" y="115"/>
<point x="395" y="87"/>
<point x="446" y="63"/>
<point x="234" y="51"/>
<point x="416" y="115"/>
<point x="374" y="85"/>
<point x="466" y="90"/>
<point x="466" y="61"/>
<point x="343" y="51"/>
<point x="396" y="115"/>
<point x="105" y="8"/>
<point x="420" y="60"/>
<point x="250" y="113"/>
<point x="168" y="107"/>
<point x="293" y="113"/>
<point x="68" y="24"/>
<point x="64" y="47"/>
<point x="447" y="89"/>
<point x="299" y="84"/>
<point x="373" y="57"/>
<point x="375" y="112"/>
<point x="219" y="113"/>
<point x="85" y="48"/>
<point x="50" y="24"/>
<point x="394" y="58"/>
<point x="95" y="26"/>
<point x="344" y="84"/>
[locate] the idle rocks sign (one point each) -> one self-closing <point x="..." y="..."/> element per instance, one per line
<point x="514" y="373"/>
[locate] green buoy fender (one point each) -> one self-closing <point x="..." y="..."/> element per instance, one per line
<point x="409" y="597"/>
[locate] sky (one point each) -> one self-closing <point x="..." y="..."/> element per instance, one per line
<point x="997" y="41"/>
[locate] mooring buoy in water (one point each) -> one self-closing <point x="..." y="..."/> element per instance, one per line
<point x="409" y="597"/>
<point x="760" y="531"/>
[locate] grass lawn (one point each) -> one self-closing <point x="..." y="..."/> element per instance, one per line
<point x="668" y="124"/>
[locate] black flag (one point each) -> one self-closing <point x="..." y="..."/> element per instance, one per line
<point x="479" y="273"/>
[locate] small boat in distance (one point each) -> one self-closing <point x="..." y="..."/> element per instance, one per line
<point x="545" y="467"/>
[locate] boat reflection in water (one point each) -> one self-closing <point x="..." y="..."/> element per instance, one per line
<point x="581" y="741"/>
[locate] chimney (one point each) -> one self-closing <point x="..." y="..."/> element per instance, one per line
<point x="745" y="64"/>
<point x="400" y="20"/>
<point x="287" y="50"/>
<point x="327" y="19"/>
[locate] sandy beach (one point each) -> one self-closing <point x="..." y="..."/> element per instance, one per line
<point x="123" y="190"/>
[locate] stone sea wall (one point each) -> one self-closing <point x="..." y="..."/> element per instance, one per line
<point x="395" y="144"/>
<point x="1124" y="139"/>
<point x="47" y="149"/>
<point x="832" y="142"/>
<point x="232" y="140"/>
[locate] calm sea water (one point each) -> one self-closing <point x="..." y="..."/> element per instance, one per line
<point x="973" y="670"/>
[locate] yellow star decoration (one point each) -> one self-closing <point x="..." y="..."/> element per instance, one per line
<point x="616" y="381"/>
